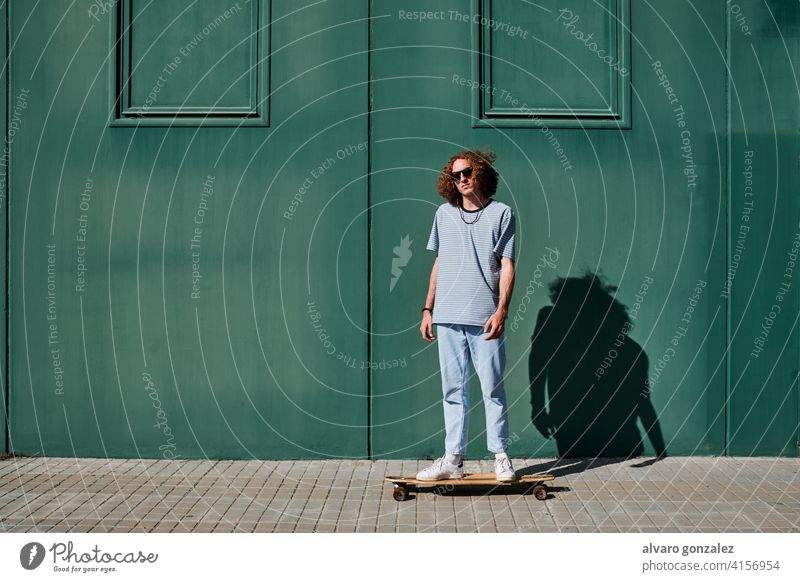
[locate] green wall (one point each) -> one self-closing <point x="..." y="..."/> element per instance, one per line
<point x="218" y="217"/>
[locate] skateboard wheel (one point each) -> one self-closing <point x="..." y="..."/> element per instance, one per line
<point x="540" y="492"/>
<point x="400" y="493"/>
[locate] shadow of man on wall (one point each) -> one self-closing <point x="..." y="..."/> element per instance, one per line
<point x="588" y="378"/>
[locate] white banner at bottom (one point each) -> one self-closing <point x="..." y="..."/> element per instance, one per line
<point x="417" y="556"/>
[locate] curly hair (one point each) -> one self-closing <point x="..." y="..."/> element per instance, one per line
<point x="484" y="174"/>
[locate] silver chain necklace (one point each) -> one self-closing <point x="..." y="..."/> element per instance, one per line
<point x="461" y="212"/>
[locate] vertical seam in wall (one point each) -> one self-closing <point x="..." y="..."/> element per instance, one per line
<point x="6" y="374"/>
<point x="369" y="228"/>
<point x="728" y="202"/>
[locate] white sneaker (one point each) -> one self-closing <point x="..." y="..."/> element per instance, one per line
<point x="503" y="469"/>
<point x="442" y="469"/>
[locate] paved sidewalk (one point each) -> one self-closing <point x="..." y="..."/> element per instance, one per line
<point x="681" y="494"/>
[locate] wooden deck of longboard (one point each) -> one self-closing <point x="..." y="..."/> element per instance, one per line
<point x="471" y="479"/>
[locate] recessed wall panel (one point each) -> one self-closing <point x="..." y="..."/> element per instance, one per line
<point x="202" y="63"/>
<point x="564" y="62"/>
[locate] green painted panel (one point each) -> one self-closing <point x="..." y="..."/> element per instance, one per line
<point x="171" y="287"/>
<point x="645" y="207"/>
<point x="764" y="235"/>
<point x="20" y="108"/>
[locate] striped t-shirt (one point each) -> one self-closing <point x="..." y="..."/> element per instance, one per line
<point x="468" y="274"/>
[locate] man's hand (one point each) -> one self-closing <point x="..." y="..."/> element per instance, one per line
<point x="496" y="322"/>
<point x="426" y="327"/>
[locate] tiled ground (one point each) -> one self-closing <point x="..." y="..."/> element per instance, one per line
<point x="694" y="494"/>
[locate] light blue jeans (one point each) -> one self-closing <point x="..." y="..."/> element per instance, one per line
<point x="458" y="344"/>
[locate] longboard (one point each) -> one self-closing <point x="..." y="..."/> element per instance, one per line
<point x="402" y="485"/>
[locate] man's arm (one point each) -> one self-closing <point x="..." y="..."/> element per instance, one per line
<point x="497" y="321"/>
<point x="506" y="285"/>
<point x="430" y="299"/>
<point x="426" y="327"/>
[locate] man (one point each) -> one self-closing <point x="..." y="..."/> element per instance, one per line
<point x="470" y="288"/>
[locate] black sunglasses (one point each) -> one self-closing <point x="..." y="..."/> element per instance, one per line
<point x="457" y="175"/>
